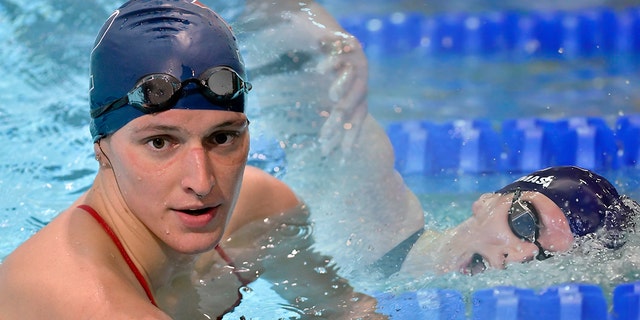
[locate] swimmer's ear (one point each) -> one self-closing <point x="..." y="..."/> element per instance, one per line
<point x="101" y="157"/>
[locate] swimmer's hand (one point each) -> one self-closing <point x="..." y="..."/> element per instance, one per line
<point x="345" y="58"/>
<point x="295" y="32"/>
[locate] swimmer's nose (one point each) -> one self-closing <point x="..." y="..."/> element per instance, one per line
<point x="198" y="176"/>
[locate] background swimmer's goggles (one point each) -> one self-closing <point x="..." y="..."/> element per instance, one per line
<point x="160" y="91"/>
<point x="524" y="222"/>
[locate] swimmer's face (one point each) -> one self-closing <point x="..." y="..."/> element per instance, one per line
<point x="179" y="172"/>
<point x="485" y="240"/>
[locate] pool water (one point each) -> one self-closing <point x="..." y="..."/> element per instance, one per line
<point x="499" y="86"/>
<point x="48" y="159"/>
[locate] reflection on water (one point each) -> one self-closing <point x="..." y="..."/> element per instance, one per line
<point x="259" y="296"/>
<point x="497" y="88"/>
<point x="343" y="8"/>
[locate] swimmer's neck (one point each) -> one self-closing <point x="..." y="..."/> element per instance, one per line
<point x="157" y="261"/>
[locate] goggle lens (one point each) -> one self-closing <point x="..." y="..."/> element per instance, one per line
<point x="225" y="84"/>
<point x="524" y="222"/>
<point x="154" y="92"/>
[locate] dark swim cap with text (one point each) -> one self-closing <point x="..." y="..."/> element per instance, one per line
<point x="182" y="38"/>
<point x="588" y="200"/>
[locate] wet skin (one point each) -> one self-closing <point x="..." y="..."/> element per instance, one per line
<point x="485" y="239"/>
<point x="179" y="173"/>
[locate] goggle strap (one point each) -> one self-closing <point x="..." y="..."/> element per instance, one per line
<point x="119" y="103"/>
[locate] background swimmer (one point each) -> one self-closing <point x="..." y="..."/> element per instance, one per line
<point x="536" y="216"/>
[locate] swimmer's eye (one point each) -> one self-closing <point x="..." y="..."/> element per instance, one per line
<point x="224" y="137"/>
<point x="157" y="143"/>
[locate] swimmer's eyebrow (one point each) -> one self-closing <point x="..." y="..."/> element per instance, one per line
<point x="242" y="123"/>
<point x="171" y="128"/>
<point x="157" y="127"/>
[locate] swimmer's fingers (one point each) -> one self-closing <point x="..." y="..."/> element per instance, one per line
<point x="346" y="60"/>
<point x="349" y="111"/>
<point x="343" y="125"/>
<point x="351" y="79"/>
<point x="331" y="132"/>
<point x="350" y="89"/>
<point x="345" y="76"/>
<point x="351" y="134"/>
<point x="354" y="106"/>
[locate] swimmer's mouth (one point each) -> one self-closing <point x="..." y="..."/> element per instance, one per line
<point x="197" y="212"/>
<point x="475" y="266"/>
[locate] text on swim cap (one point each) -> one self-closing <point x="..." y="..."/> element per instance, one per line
<point x="544" y="181"/>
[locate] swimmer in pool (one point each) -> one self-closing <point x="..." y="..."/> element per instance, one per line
<point x="535" y="217"/>
<point x="167" y="97"/>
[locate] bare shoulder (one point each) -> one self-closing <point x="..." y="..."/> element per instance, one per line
<point x="261" y="196"/>
<point x="55" y="275"/>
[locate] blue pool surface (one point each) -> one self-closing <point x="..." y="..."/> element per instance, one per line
<point x="448" y="70"/>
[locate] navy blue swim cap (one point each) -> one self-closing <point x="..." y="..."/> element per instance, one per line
<point x="588" y="200"/>
<point x="182" y="38"/>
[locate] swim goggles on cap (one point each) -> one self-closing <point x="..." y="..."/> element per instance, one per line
<point x="160" y="91"/>
<point x="524" y="222"/>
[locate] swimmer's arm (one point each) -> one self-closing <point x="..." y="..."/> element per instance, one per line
<point x="309" y="281"/>
<point x="280" y="251"/>
<point x="417" y="261"/>
<point x="425" y="255"/>
<point x="304" y="277"/>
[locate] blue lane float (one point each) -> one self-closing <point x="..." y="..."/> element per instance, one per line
<point x="559" y="302"/>
<point x="423" y="304"/>
<point x="530" y="144"/>
<point x="551" y="33"/>
<point x="419" y="146"/>
<point x="514" y="146"/>
<point x="626" y="301"/>
<point x="628" y="133"/>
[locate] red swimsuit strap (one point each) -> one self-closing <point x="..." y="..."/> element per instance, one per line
<point x="123" y="252"/>
<point x="231" y="264"/>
